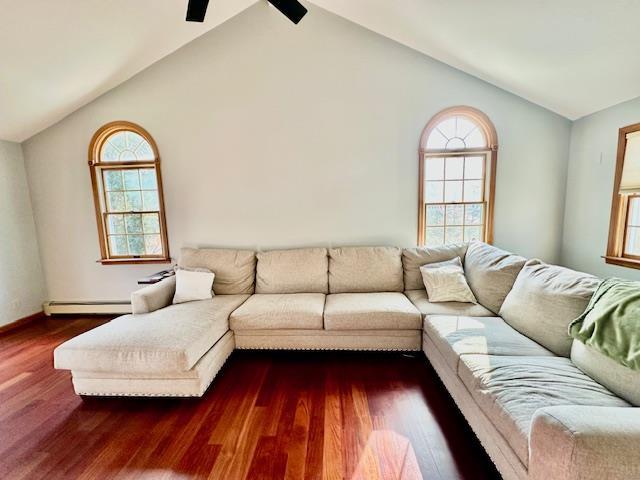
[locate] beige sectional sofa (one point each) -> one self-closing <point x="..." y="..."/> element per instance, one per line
<point x="543" y="406"/>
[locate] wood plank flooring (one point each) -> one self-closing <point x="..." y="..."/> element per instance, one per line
<point x="269" y="415"/>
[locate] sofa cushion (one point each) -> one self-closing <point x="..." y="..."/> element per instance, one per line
<point x="414" y="258"/>
<point x="370" y="311"/>
<point x="168" y="340"/>
<point x="491" y="273"/>
<point x="303" y="270"/>
<point x="509" y="390"/>
<point x="621" y="380"/>
<point x="544" y="300"/>
<point x="365" y="269"/>
<point x="234" y="269"/>
<point x="279" y="310"/>
<point x="458" y="335"/>
<point x="420" y="299"/>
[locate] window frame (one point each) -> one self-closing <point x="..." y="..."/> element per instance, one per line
<point x="97" y="168"/>
<point x="490" y="151"/>
<point x="619" y="218"/>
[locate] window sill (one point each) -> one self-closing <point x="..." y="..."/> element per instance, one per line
<point x="133" y="261"/>
<point x="622" y="261"/>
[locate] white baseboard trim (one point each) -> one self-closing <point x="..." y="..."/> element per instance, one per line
<point x="86" y="308"/>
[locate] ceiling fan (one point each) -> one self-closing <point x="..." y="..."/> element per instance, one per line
<point x="292" y="9"/>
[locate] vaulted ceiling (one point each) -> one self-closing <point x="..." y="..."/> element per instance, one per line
<point x="571" y="56"/>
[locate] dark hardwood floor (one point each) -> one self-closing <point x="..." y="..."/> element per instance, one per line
<point x="268" y="415"/>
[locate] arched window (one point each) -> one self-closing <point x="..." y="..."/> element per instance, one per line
<point x="127" y="191"/>
<point x="458" y="152"/>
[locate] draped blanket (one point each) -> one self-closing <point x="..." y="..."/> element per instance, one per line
<point x="611" y="322"/>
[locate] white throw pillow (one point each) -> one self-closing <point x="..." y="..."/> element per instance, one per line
<point x="193" y="284"/>
<point x="445" y="282"/>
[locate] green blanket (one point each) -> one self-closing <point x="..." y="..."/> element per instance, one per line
<point x="611" y="322"/>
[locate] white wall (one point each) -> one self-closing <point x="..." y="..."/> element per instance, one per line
<point x="592" y="162"/>
<point x="274" y="135"/>
<point x="21" y="281"/>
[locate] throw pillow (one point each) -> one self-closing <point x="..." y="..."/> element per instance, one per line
<point x="445" y="282"/>
<point x="193" y="284"/>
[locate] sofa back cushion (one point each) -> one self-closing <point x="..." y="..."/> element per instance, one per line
<point x="365" y="269"/>
<point x="234" y="270"/>
<point x="414" y="258"/>
<point x="544" y="300"/>
<point x="621" y="380"/>
<point x="490" y="273"/>
<point x="303" y="270"/>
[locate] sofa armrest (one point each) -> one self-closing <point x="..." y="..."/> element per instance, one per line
<point x="153" y="297"/>
<point x="579" y="442"/>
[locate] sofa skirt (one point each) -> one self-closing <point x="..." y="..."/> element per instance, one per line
<point x="192" y="383"/>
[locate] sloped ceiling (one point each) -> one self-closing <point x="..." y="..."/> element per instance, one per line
<point x="57" y="55"/>
<point x="573" y="57"/>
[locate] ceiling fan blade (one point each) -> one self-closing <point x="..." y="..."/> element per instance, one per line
<point x="196" y="10"/>
<point x="292" y="9"/>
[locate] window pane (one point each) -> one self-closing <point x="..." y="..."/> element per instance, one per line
<point x="434" y="168"/>
<point x="453" y="235"/>
<point x="136" y="244"/>
<point x="126" y="146"/>
<point x="134" y="223"/>
<point x="134" y="201"/>
<point x="434" y="192"/>
<point x="152" y="244"/>
<point x="453" y="192"/>
<point x="632" y="244"/>
<point x="150" y="199"/>
<point x="113" y="180"/>
<point x="464" y="127"/>
<point x="476" y="139"/>
<point x="144" y="152"/>
<point x="634" y="212"/>
<point x="109" y="153"/>
<point x="116" y="202"/>
<point x="148" y="179"/>
<point x="472" y="233"/>
<point x="473" y="190"/>
<point x="455" y="214"/>
<point x="454" y="168"/>
<point x="434" y="236"/>
<point x="473" y="214"/>
<point x="116" y="224"/>
<point x="448" y="127"/>
<point x="473" y="167"/>
<point x="118" y="245"/>
<point x="151" y="223"/>
<point x="435" y="215"/>
<point x="133" y="140"/>
<point x="131" y="180"/>
<point x="436" y="140"/>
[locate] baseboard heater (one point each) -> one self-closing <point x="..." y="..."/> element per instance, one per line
<point x="86" y="308"/>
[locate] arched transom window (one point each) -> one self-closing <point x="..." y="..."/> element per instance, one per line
<point x="127" y="188"/>
<point x="458" y="151"/>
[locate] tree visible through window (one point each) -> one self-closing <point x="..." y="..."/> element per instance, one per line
<point x="125" y="172"/>
<point x="457" y="175"/>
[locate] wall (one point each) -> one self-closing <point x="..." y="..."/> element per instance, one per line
<point x="21" y="281"/>
<point x="592" y="162"/>
<point x="274" y="135"/>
